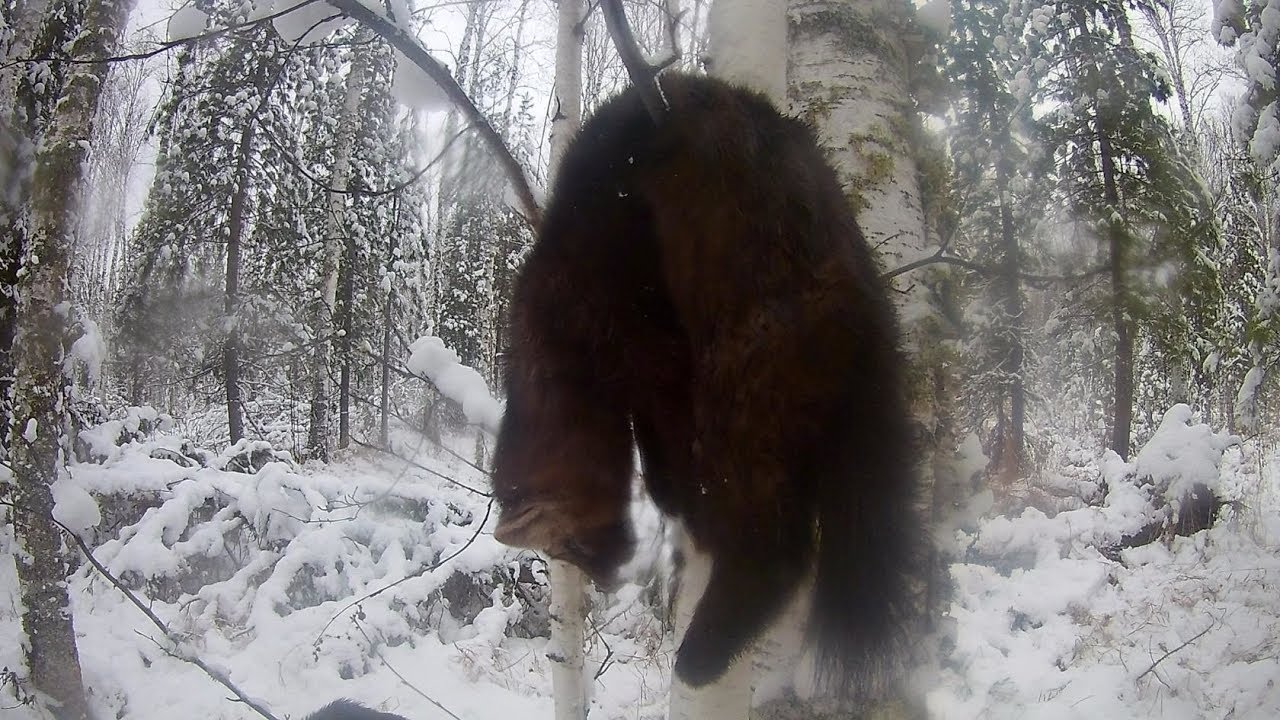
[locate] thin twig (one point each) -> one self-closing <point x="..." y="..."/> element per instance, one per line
<point x="418" y="573"/>
<point x="1194" y="638"/>
<point x="177" y="649"/>
<point x="420" y="466"/>
<point x="358" y="192"/>
<point x="608" y="651"/>
<point x="378" y="654"/>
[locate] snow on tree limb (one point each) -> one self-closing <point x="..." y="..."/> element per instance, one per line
<point x="431" y="359"/>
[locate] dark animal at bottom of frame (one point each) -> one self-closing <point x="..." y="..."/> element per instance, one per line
<point x="350" y="710"/>
<point x="700" y="289"/>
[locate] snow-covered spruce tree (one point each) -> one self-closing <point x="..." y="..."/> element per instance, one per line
<point x="1248" y="208"/>
<point x="189" y="323"/>
<point x="28" y="90"/>
<point x="1129" y="190"/>
<point x="1253" y="27"/>
<point x="41" y="393"/>
<point x="383" y="263"/>
<point x="335" y="244"/>
<point x="994" y="208"/>
<point x="401" y="292"/>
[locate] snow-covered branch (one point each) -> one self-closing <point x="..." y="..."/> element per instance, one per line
<point x="176" y="647"/>
<point x="431" y="359"/>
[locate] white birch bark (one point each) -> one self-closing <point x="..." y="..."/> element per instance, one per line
<point x="335" y="230"/>
<point x="568" y="630"/>
<point x="568" y="583"/>
<point x="567" y="103"/>
<point x="849" y="75"/>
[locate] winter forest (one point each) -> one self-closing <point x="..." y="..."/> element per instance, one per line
<point x="256" y="264"/>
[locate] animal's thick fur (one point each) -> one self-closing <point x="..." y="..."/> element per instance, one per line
<point x="350" y="710"/>
<point x="701" y="288"/>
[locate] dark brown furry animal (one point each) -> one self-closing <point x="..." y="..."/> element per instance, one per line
<point x="350" y="710"/>
<point x="700" y="288"/>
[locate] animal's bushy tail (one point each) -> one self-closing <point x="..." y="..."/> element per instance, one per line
<point x="870" y="547"/>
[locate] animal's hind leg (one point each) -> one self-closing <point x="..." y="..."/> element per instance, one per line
<point x="730" y="695"/>
<point x="746" y="591"/>
<point x="748" y="507"/>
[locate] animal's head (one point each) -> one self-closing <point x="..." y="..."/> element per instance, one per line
<point x="596" y="542"/>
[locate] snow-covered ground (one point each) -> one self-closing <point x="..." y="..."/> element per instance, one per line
<point x="1047" y="626"/>
<point x="268" y="574"/>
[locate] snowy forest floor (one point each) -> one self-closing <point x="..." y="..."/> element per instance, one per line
<point x="267" y="571"/>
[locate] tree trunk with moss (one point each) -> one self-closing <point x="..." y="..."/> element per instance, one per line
<point x="37" y="28"/>
<point x="850" y="75"/>
<point x="37" y="428"/>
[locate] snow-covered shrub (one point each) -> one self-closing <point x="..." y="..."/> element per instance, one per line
<point x="111" y="432"/>
<point x="1180" y="467"/>
<point x="1067" y="615"/>
<point x="236" y="538"/>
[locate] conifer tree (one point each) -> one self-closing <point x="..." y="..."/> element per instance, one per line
<point x="993" y="167"/>
<point x="1126" y="185"/>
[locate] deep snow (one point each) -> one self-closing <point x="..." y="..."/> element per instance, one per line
<point x="260" y="572"/>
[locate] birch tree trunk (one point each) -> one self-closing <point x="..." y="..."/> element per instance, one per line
<point x="849" y="74"/>
<point x="345" y="313"/>
<point x="568" y="583"/>
<point x="747" y="45"/>
<point x="334" y="245"/>
<point x="37" y="428"/>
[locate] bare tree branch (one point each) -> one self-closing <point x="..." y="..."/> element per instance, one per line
<point x="643" y="75"/>
<point x="378" y="654"/>
<point x="940" y="258"/>
<point x="418" y="55"/>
